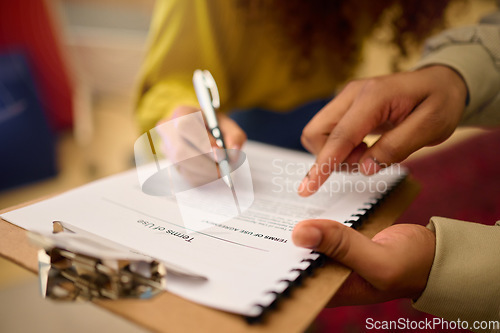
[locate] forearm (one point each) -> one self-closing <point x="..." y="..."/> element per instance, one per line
<point x="179" y="33"/>
<point x="160" y="101"/>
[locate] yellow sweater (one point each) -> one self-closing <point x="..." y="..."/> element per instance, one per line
<point x="246" y="59"/>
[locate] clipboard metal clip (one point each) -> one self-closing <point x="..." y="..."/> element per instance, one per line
<point x="69" y="270"/>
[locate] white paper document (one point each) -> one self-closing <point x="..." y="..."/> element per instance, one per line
<point x="245" y="258"/>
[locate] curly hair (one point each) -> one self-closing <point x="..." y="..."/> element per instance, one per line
<point x="336" y="29"/>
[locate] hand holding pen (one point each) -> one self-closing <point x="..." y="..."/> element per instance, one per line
<point x="223" y="134"/>
<point x="208" y="97"/>
<point x="234" y="136"/>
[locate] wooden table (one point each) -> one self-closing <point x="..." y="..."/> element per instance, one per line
<point x="170" y="313"/>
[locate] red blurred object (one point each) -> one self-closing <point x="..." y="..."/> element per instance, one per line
<point x="461" y="182"/>
<point x="27" y="25"/>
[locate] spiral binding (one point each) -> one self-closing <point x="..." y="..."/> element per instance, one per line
<point x="314" y="260"/>
<point x="357" y="219"/>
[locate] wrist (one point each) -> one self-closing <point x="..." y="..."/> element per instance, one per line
<point x="458" y="82"/>
<point x="447" y="85"/>
<point x="428" y="250"/>
<point x="452" y="79"/>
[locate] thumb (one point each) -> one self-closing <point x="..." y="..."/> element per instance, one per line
<point x="341" y="243"/>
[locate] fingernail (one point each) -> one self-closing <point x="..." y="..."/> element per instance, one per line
<point x="303" y="185"/>
<point x="370" y="166"/>
<point x="308" y="237"/>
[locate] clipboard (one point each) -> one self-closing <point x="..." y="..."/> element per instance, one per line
<point x="168" y="312"/>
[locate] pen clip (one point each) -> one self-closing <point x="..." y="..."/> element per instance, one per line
<point x="212" y="87"/>
<point x="207" y="94"/>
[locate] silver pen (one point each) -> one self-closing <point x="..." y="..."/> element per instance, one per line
<point x="208" y="97"/>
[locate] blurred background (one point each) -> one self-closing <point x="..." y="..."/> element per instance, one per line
<point x="68" y="70"/>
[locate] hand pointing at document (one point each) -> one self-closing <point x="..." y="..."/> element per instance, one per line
<point x="411" y="110"/>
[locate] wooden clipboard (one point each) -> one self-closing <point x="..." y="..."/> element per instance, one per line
<point x="170" y="313"/>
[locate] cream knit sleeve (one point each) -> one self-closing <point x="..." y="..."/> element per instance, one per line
<point x="474" y="52"/>
<point x="464" y="282"/>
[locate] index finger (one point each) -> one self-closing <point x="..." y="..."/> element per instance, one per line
<point x="318" y="129"/>
<point x="364" y="115"/>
